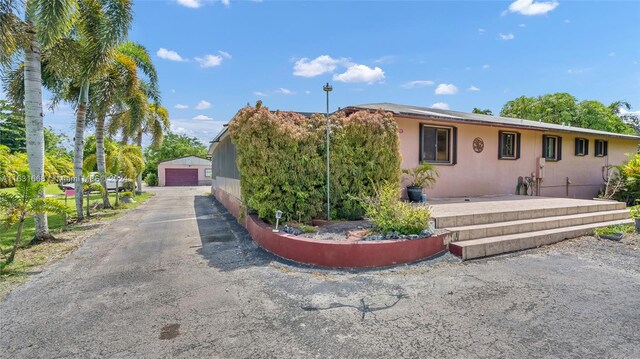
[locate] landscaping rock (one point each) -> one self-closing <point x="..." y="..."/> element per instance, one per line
<point x="392" y="235"/>
<point x="291" y="230"/>
<point x="413" y="236"/>
<point x="426" y="233"/>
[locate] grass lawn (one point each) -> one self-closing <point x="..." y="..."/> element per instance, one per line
<point x="31" y="258"/>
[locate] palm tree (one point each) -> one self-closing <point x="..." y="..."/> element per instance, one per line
<point x="120" y="87"/>
<point x="126" y="161"/>
<point x="101" y="25"/>
<point x="154" y="123"/>
<point x="25" y="202"/>
<point x="44" y="23"/>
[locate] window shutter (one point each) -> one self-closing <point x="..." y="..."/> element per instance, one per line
<point x="518" y="137"/>
<point x="499" y="144"/>
<point x="420" y="135"/>
<point x="559" y="143"/>
<point x="605" y="150"/>
<point x="577" y="146"/>
<point x="455" y="146"/>
<point x="586" y="147"/>
<point x="544" y="146"/>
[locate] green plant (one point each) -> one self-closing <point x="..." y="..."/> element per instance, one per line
<point x="389" y="214"/>
<point x="151" y="179"/>
<point x="281" y="158"/>
<point x="635" y="211"/>
<point x="126" y="194"/>
<point x="609" y="230"/>
<point x="423" y="176"/>
<point x="305" y="228"/>
<point x="24" y="203"/>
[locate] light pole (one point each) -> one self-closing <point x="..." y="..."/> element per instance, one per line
<point x="327" y="88"/>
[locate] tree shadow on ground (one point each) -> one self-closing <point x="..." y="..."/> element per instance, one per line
<point x="225" y="243"/>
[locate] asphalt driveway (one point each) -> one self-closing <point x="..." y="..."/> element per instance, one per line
<point x="177" y="277"/>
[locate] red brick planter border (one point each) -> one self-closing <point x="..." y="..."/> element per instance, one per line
<point x="334" y="254"/>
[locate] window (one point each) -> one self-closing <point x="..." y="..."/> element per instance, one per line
<point x="437" y="144"/>
<point x="582" y="147"/>
<point x="552" y="148"/>
<point x="508" y="145"/>
<point x="601" y="148"/>
<point x="207" y="172"/>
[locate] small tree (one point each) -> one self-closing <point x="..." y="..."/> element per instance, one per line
<point x="24" y="203"/>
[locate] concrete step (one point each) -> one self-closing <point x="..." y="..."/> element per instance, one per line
<point x="493" y="215"/>
<point x="476" y="231"/>
<point x="488" y="246"/>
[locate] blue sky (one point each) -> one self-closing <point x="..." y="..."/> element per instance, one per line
<point x="215" y="56"/>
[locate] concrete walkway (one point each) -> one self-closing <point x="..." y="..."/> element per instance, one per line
<point x="178" y="278"/>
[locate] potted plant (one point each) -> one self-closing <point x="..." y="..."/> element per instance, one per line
<point x="635" y="214"/>
<point x="423" y="176"/>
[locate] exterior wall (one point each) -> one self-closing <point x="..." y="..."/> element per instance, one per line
<point x="484" y="174"/>
<point x="203" y="180"/>
<point x="225" y="172"/>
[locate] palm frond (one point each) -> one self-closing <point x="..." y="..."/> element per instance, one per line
<point x="54" y="19"/>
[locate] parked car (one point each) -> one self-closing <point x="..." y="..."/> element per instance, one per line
<point x="124" y="184"/>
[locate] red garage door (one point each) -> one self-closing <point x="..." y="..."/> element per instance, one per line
<point x="181" y="177"/>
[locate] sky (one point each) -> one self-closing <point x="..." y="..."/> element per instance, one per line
<point x="214" y="57"/>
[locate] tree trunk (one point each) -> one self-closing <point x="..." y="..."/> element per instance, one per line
<point x="139" y="179"/>
<point x="78" y="149"/>
<point x="34" y="127"/>
<point x="117" y="188"/>
<point x="101" y="161"/>
<point x="12" y="255"/>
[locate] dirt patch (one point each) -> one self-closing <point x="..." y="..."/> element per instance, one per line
<point x="170" y="331"/>
<point x="338" y="230"/>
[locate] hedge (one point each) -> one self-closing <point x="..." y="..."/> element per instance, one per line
<point x="281" y="158"/>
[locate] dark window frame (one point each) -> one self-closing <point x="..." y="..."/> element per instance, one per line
<point x="557" y="147"/>
<point x="601" y="148"/>
<point x="452" y="142"/>
<point x="517" y="139"/>
<point x="585" y="147"/>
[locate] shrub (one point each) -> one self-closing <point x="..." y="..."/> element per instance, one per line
<point x="281" y="160"/>
<point x="151" y="179"/>
<point x="389" y="214"/>
<point x="628" y="175"/>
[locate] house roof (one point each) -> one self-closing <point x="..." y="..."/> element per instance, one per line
<point x="184" y="157"/>
<point x="473" y="118"/>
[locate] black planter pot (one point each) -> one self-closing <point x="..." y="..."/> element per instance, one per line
<point x="414" y="193"/>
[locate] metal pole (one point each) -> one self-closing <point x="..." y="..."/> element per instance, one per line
<point x="327" y="88"/>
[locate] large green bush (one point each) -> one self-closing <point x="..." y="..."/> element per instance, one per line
<point x="55" y="167"/>
<point x="281" y="157"/>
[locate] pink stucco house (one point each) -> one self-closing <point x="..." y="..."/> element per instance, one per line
<point x="484" y="155"/>
<point x="481" y="155"/>
<point x="184" y="171"/>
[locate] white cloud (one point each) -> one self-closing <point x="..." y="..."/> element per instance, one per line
<point x="181" y="106"/>
<point x="316" y="67"/>
<point x="203" y="105"/>
<point x="481" y="30"/>
<point x="611" y="54"/>
<point x="360" y="73"/>
<point x="417" y="83"/>
<point x="193" y="4"/>
<point x="202" y="118"/>
<point x="522" y="25"/>
<point x="209" y="60"/>
<point x="169" y="55"/>
<point x="506" y="37"/>
<point x="307" y="92"/>
<point x="531" y="7"/>
<point x="566" y="21"/>
<point x="226" y="2"/>
<point x="440" y="105"/>
<point x="485" y="66"/>
<point x="205" y="131"/>
<point x="446" y="89"/>
<point x="285" y="91"/>
<point x="473" y="89"/>
<point x="259" y="93"/>
<point x="225" y="54"/>
<point x="385" y="59"/>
